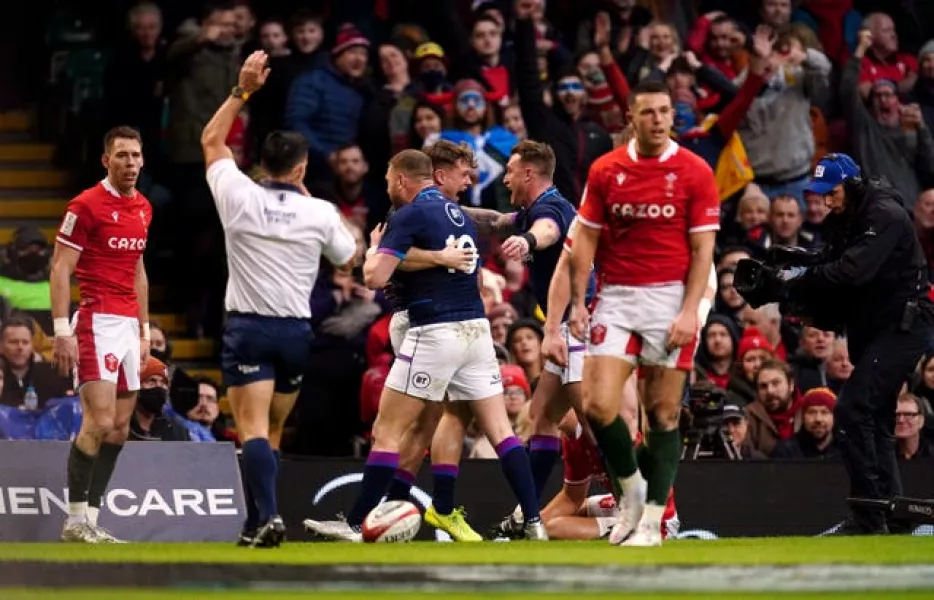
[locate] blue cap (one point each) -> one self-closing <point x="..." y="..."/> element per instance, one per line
<point x="831" y="171"/>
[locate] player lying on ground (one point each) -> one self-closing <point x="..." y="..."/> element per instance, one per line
<point x="447" y="349"/>
<point x="649" y="216"/>
<point x="574" y="515"/>
<point x="452" y="166"/>
<point x="101" y="242"/>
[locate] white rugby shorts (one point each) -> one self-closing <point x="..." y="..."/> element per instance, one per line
<point x="108" y="349"/>
<point x="631" y="323"/>
<point x="574" y="372"/>
<point x="455" y="358"/>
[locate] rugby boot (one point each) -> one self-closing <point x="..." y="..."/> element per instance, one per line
<point x="81" y="532"/>
<point x="105" y="536"/>
<point x="454" y="524"/>
<point x="509" y="528"/>
<point x="338" y="530"/>
<point x="246" y="537"/>
<point x="534" y="531"/>
<point x="646" y="535"/>
<point x="631" y="506"/>
<point x="270" y="535"/>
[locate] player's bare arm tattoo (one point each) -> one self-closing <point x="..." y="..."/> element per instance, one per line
<point x="492" y="222"/>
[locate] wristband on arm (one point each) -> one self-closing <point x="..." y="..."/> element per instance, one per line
<point x="530" y="238"/>
<point x="146" y="333"/>
<point x="61" y="327"/>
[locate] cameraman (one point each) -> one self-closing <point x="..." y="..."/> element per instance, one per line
<point x="875" y="270"/>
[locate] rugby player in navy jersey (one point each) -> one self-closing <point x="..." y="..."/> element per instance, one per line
<point x="537" y="232"/>
<point x="448" y="348"/>
<point x="453" y="166"/>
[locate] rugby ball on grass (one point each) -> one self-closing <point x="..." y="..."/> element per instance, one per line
<point x="393" y="521"/>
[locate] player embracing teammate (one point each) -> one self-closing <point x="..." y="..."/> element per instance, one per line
<point x="649" y="217"/>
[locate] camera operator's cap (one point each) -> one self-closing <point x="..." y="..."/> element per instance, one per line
<point x="831" y="171"/>
<point x="733" y="411"/>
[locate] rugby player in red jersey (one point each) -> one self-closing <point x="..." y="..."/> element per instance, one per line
<point x="101" y="242"/>
<point x="660" y="207"/>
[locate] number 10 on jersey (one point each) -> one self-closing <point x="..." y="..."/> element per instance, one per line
<point x="464" y="242"/>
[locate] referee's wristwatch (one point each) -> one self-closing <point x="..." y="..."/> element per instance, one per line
<point x="240" y="93"/>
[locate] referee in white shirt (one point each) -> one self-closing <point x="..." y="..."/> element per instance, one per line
<point x="276" y="235"/>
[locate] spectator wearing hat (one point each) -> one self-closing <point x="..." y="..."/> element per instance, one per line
<point x="150" y="421"/>
<point x="890" y="139"/>
<point x="24" y="276"/>
<point x="325" y="104"/>
<point x="524" y="341"/>
<point x="814" y="440"/>
<point x="517" y="393"/>
<point x="767" y="319"/>
<point x="473" y="122"/>
<point x="718" y="350"/>
<point x="577" y="142"/>
<point x="753" y="351"/>
<point x="923" y="92"/>
<point x="736" y="426"/>
<point x="774" y="415"/>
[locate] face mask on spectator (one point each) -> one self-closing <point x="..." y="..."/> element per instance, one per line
<point x="432" y="78"/>
<point x="595" y="77"/>
<point x="152" y="400"/>
<point x="163" y="355"/>
<point x="685" y="117"/>
<point x="32" y="263"/>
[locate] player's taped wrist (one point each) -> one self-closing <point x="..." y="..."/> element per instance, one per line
<point x="61" y="327"/>
<point x="529" y="237"/>
<point x="146" y="333"/>
<point x="371" y="251"/>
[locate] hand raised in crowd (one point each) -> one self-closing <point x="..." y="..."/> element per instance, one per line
<point x="602" y="30"/>
<point x="763" y="41"/>
<point x="692" y="59"/>
<point x="210" y="32"/>
<point x="863" y="43"/>
<point x="910" y="116"/>
<point x="254" y="72"/>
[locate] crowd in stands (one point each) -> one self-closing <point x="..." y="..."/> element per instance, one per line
<point x="762" y="89"/>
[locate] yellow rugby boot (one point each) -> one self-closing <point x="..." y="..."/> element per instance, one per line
<point x="454" y="524"/>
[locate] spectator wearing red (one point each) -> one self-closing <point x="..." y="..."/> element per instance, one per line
<point x="754" y="350"/>
<point x="814" y="440"/>
<point x="774" y="415"/>
<point x="718" y="41"/>
<point x="882" y="60"/>
<point x="524" y="342"/>
<point x="767" y="320"/>
<point x="430" y="67"/>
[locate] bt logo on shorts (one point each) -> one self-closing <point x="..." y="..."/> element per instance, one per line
<point x="421" y="380"/>
<point x="127" y="243"/>
<point x="642" y="211"/>
<point x="247" y="369"/>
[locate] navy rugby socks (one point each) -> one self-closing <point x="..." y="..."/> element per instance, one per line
<point x="444" y="477"/>
<point x="260" y="470"/>
<point x="514" y="461"/>
<point x="401" y="485"/>
<point x="377" y="474"/>
<point x="544" y="451"/>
